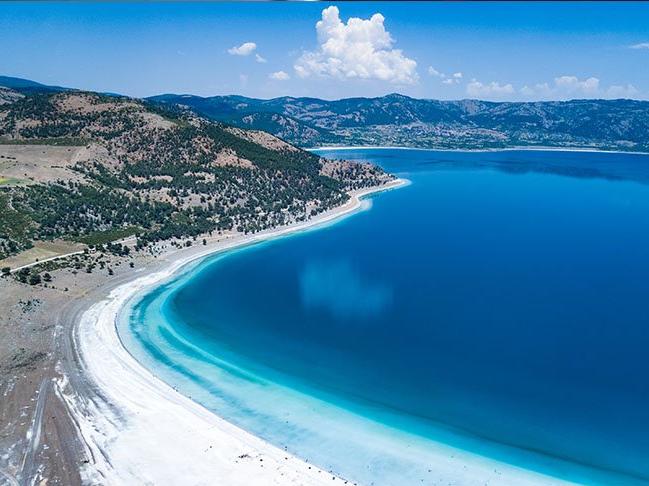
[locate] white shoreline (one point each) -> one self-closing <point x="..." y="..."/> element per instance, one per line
<point x="145" y="432"/>
<point x="525" y="148"/>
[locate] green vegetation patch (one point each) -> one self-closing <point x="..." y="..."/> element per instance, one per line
<point x="58" y="141"/>
<point x="102" y="237"/>
<point x="12" y="181"/>
<point x="15" y="228"/>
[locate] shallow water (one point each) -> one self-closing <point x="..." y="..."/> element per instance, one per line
<point x="498" y="304"/>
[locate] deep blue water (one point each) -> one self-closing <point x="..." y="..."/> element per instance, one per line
<point x="499" y="303"/>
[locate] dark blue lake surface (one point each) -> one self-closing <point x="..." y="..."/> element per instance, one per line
<point x="499" y="303"/>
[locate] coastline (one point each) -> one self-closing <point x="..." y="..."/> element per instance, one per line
<point x="526" y="148"/>
<point x="122" y="410"/>
<point x="124" y="425"/>
<point x="131" y="407"/>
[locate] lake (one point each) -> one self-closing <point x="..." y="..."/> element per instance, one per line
<point x="497" y="305"/>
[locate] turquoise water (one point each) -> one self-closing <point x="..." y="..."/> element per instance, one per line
<point x="498" y="304"/>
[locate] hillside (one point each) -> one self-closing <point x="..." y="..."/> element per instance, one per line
<point x="28" y="85"/>
<point x="88" y="167"/>
<point x="465" y="124"/>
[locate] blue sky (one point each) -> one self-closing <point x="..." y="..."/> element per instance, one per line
<point x="499" y="51"/>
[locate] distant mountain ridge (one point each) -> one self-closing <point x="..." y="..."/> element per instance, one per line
<point x="464" y="124"/>
<point x="21" y="84"/>
<point x="398" y="120"/>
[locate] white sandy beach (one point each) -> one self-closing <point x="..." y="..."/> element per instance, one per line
<point x="145" y="432"/>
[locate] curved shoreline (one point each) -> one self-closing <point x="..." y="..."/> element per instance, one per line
<point x="131" y="410"/>
<point x="131" y="413"/>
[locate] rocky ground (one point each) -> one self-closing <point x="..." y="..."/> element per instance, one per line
<point x="39" y="442"/>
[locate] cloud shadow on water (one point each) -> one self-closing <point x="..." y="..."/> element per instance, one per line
<point x="336" y="287"/>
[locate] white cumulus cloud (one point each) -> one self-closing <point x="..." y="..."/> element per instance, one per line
<point x="279" y="76"/>
<point x="572" y="84"/>
<point x="491" y="90"/>
<point x="454" y="78"/>
<point x="641" y="45"/>
<point x="260" y="59"/>
<point x="618" y="91"/>
<point x="360" y="48"/>
<point x="244" y="49"/>
<point x="566" y="87"/>
<point x="539" y="90"/>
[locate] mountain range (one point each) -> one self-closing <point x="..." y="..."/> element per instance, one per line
<point x="397" y="120"/>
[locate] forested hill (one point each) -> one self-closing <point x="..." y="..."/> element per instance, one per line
<point x="465" y="124"/>
<point x="85" y="166"/>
